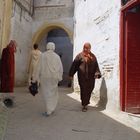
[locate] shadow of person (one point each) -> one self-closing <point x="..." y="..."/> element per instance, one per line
<point x="103" y="96"/>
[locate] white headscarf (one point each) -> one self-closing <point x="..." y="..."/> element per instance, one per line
<point x="50" y="46"/>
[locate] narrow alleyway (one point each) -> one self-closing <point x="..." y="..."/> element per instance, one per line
<point x="67" y="123"/>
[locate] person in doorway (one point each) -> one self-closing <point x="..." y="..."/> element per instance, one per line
<point x="60" y="55"/>
<point x="33" y="61"/>
<point x="49" y="72"/>
<point x="8" y="67"/>
<point x="87" y="67"/>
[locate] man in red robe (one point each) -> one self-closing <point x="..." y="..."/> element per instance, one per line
<point x="8" y="67"/>
<point x="87" y="67"/>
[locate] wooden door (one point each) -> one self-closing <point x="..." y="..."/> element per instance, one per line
<point x="132" y="61"/>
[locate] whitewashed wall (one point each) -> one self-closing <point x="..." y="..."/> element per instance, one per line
<point x="21" y="31"/>
<point x="97" y="22"/>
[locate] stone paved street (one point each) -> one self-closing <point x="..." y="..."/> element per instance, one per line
<point x="26" y="122"/>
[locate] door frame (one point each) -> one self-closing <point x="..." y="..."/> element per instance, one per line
<point x="124" y="8"/>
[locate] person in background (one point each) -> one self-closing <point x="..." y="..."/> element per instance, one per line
<point x="49" y="72"/>
<point x="8" y="67"/>
<point x="87" y="67"/>
<point x="33" y="61"/>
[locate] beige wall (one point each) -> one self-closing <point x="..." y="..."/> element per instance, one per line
<point x="5" y="17"/>
<point x="1" y="20"/>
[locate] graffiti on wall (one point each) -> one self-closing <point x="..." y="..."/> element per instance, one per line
<point x="108" y="70"/>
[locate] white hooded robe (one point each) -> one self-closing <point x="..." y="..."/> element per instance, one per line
<point x="49" y="73"/>
<point x="34" y="58"/>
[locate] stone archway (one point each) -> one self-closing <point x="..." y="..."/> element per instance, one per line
<point x="64" y="46"/>
<point x="44" y="29"/>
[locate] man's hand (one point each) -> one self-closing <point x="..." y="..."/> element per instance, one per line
<point x="97" y="76"/>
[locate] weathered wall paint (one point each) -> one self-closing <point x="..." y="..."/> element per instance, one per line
<point x="99" y="25"/>
<point x="21" y="31"/>
<point x="2" y="6"/>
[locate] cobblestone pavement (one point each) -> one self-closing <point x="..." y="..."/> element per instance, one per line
<point x="25" y="121"/>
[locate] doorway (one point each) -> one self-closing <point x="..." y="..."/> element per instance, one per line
<point x="63" y="47"/>
<point x="130" y="59"/>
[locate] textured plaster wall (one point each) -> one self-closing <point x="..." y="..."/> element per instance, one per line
<point x="21" y="31"/>
<point x="98" y="23"/>
<point x="26" y="3"/>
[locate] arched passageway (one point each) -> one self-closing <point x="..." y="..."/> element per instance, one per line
<point x="64" y="49"/>
<point x="62" y="37"/>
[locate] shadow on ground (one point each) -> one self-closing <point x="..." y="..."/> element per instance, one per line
<point x="67" y="123"/>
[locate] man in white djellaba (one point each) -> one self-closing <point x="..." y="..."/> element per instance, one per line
<point x="49" y="72"/>
<point x="33" y="61"/>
